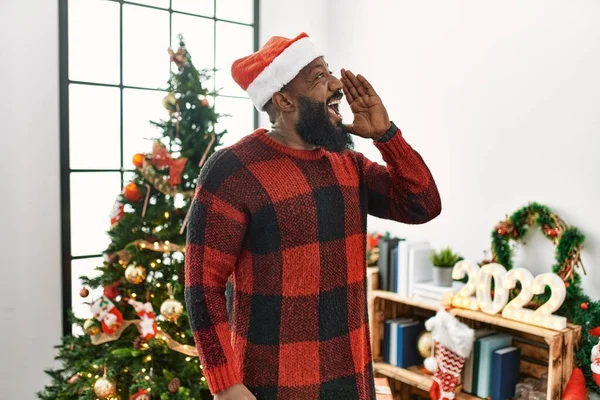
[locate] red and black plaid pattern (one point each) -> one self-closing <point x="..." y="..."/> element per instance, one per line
<point x="289" y="227"/>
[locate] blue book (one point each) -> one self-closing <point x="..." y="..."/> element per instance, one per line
<point x="506" y="365"/>
<point x="389" y="348"/>
<point x="488" y="345"/>
<point x="469" y="375"/>
<point x="408" y="333"/>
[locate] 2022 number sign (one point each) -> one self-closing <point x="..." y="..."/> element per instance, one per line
<point x="479" y="282"/>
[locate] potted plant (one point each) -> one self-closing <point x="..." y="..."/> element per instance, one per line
<point x="443" y="261"/>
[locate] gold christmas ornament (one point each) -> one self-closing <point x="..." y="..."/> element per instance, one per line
<point x="171" y="309"/>
<point x="170" y="102"/>
<point x="424" y="344"/>
<point x="91" y="327"/>
<point x="104" y="388"/>
<point x="135" y="274"/>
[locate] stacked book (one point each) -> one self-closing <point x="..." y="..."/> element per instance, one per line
<point x="428" y="292"/>
<point x="405" y="268"/>
<point x="402" y="263"/>
<point x="492" y="369"/>
<point x="399" y="345"/>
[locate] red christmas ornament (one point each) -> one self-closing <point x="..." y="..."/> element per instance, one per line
<point x="550" y="232"/>
<point x="575" y="389"/>
<point x="132" y="193"/>
<point x="595" y="332"/>
<point x="585" y="306"/>
<point x="138" y="160"/>
<point x="501" y="231"/>
<point x="567" y="284"/>
<point x="84" y="292"/>
<point x="204" y="102"/>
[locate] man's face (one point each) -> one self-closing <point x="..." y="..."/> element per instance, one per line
<point x="317" y="94"/>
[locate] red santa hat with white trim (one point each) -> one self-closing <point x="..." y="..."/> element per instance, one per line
<point x="278" y="62"/>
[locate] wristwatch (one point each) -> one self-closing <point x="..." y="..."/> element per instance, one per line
<point x="388" y="134"/>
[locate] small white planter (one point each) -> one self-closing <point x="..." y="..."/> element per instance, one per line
<point x="442" y="276"/>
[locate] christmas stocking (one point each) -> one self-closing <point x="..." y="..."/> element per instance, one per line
<point x="147" y="325"/>
<point x="453" y="344"/>
<point x="105" y="311"/>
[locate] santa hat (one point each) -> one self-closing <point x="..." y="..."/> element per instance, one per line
<point x="278" y="62"/>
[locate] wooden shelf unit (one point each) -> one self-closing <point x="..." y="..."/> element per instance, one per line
<point x="542" y="350"/>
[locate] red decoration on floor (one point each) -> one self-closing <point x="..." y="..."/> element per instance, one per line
<point x="575" y="389"/>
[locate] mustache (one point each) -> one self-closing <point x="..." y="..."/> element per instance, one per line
<point x="336" y="96"/>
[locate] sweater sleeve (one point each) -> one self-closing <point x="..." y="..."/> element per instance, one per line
<point x="404" y="189"/>
<point x="215" y="232"/>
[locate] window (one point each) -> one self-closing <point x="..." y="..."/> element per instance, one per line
<point x="114" y="69"/>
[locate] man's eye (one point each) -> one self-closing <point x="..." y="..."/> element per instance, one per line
<point x="320" y="75"/>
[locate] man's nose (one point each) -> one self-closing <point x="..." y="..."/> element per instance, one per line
<point x="335" y="84"/>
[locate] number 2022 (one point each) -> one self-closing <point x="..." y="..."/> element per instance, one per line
<point x="480" y="283"/>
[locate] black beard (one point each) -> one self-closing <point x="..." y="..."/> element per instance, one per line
<point x="316" y="128"/>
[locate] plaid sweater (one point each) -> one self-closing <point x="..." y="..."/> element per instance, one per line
<point x="289" y="227"/>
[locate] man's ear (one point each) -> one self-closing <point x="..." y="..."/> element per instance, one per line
<point x="283" y="102"/>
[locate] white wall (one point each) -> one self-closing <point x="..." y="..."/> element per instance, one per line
<point x="502" y="100"/>
<point x="290" y="18"/>
<point x="30" y="287"/>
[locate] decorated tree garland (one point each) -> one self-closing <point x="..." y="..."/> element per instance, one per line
<point x="578" y="308"/>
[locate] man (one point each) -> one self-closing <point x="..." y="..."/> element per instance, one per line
<point x="284" y="213"/>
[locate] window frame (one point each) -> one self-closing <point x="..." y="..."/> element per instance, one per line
<point x="65" y="168"/>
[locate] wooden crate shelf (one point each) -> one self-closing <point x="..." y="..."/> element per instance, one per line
<point x="413" y="377"/>
<point x="543" y="350"/>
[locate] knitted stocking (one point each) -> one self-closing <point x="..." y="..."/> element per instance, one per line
<point x="446" y="377"/>
<point x="453" y="344"/>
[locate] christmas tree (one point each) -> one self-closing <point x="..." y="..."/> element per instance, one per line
<point x="139" y="344"/>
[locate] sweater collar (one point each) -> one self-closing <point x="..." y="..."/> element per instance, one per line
<point x="297" y="153"/>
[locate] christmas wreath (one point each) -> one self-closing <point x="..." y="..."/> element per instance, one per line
<point x="568" y="241"/>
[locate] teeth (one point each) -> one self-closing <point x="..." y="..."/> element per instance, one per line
<point x="332" y="102"/>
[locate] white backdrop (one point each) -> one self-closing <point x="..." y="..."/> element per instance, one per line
<point x="502" y="99"/>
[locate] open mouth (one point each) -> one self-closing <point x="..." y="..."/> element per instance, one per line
<point x="334" y="109"/>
